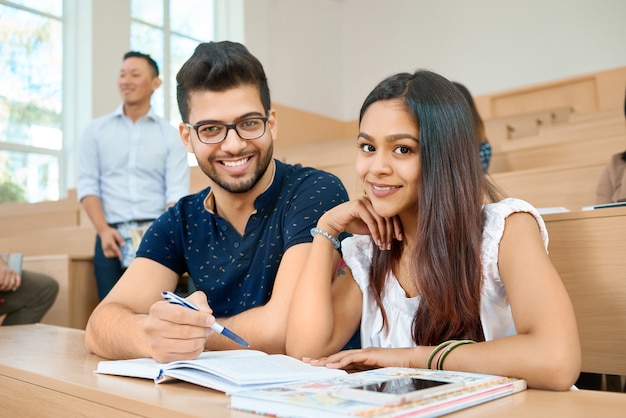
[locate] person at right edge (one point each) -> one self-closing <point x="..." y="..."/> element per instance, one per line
<point x="611" y="189"/>
<point x="612" y="184"/>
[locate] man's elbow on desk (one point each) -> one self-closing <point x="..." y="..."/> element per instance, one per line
<point x="107" y="337"/>
<point x="94" y="343"/>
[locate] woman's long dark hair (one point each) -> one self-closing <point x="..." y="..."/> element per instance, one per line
<point x="478" y="121"/>
<point x="446" y="261"/>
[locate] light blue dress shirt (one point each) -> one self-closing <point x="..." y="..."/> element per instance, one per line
<point x="135" y="168"/>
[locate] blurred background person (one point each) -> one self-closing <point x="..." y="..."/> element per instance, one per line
<point x="612" y="184"/>
<point x="132" y="165"/>
<point x="484" y="148"/>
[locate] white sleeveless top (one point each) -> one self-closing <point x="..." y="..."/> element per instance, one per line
<point x="495" y="315"/>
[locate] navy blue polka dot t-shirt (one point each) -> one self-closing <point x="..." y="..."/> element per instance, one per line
<point x="237" y="272"/>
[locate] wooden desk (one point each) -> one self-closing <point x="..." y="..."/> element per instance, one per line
<point x="77" y="296"/>
<point x="588" y="249"/>
<point x="46" y="371"/>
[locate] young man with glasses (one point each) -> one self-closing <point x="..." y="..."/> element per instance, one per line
<point x="243" y="240"/>
<point x="131" y="167"/>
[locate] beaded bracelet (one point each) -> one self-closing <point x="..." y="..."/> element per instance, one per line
<point x="335" y="241"/>
<point x="448" y="349"/>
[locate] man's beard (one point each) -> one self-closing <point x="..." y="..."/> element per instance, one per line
<point x="238" y="186"/>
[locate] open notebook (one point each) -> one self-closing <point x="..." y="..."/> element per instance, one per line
<point x="13" y="260"/>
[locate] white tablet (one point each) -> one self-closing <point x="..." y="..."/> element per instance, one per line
<point x="396" y="391"/>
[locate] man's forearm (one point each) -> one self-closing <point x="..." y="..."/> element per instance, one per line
<point x="93" y="207"/>
<point x="114" y="332"/>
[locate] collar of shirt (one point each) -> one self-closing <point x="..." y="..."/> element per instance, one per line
<point x="119" y="111"/>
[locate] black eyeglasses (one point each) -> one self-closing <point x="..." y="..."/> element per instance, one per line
<point x="216" y="132"/>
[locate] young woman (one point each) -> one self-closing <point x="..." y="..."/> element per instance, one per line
<point x="438" y="273"/>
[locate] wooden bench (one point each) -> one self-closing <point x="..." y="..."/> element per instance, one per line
<point x="76" y="240"/>
<point x="77" y="295"/>
<point x="581" y="152"/>
<point x="591" y="138"/>
<point x="588" y="250"/>
<point x="584" y="93"/>
<point x="589" y="126"/>
<point x="525" y="124"/>
<point x="571" y="187"/>
<point x="19" y="217"/>
<point x="580" y="128"/>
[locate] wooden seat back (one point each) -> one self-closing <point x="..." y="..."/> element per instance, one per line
<point x="571" y="187"/>
<point x="588" y="249"/>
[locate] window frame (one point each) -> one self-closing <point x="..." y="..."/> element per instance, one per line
<point x="59" y="154"/>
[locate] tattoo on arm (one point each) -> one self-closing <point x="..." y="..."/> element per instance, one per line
<point x="341" y="268"/>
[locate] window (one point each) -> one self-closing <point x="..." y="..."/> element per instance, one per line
<point x="40" y="40"/>
<point x="31" y="97"/>
<point x="170" y="30"/>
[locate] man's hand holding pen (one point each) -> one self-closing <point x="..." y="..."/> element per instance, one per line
<point x="175" y="332"/>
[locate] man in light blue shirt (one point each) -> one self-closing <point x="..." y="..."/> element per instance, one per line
<point x="132" y="165"/>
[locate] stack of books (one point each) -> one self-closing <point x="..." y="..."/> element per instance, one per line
<point x="380" y="395"/>
<point x="282" y="386"/>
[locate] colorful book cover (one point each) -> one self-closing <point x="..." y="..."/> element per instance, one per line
<point x="317" y="399"/>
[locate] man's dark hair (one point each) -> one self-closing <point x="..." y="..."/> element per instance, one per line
<point x="152" y="63"/>
<point x="220" y="66"/>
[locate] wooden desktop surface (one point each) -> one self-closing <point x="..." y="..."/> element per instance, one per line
<point x="46" y="371"/>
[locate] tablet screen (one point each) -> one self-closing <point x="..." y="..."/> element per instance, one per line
<point x="396" y="391"/>
<point x="401" y="385"/>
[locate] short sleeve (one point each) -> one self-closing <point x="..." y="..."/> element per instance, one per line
<point x="357" y="254"/>
<point x="313" y="193"/>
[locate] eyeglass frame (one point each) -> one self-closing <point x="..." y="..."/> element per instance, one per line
<point x="228" y="127"/>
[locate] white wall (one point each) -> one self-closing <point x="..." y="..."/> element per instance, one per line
<point x="324" y="56"/>
<point x="300" y="44"/>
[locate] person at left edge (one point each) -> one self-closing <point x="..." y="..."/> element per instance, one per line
<point x="25" y="297"/>
<point x="131" y="167"/>
<point x="243" y="240"/>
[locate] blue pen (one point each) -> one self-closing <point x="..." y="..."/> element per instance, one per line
<point x="217" y="327"/>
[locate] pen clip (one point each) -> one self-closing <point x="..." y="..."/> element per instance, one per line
<point x="174" y="298"/>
